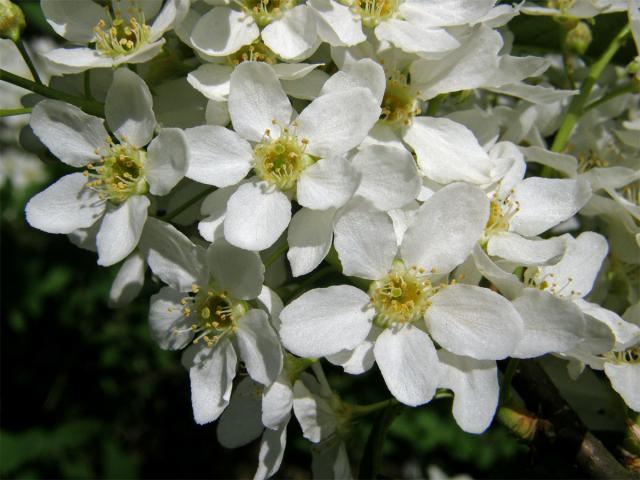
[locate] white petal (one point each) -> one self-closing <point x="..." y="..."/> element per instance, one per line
<point x="240" y="422"/>
<point x="259" y="347"/>
<point x="337" y="25"/>
<point x="165" y="315"/>
<point x="256" y="216"/>
<point x="447" y="151"/>
<point x="121" y="229"/>
<point x="337" y="122"/>
<point x="440" y="13"/>
<point x="277" y="402"/>
<point x="365" y="242"/>
<point x="238" y="271"/>
<point x="625" y="379"/>
<point x="223" y="31"/>
<point x="446" y="228"/>
<point x="625" y="332"/>
<point x="271" y="452"/>
<point x="171" y="255"/>
<point x="167" y="159"/>
<point x="545" y="202"/>
<point x="269" y="301"/>
<point x="389" y="176"/>
<point x="360" y="359"/>
<point x="75" y="60"/>
<point x="68" y="132"/>
<point x="508" y="284"/>
<point x="129" y="108"/>
<point x="364" y="73"/>
<point x="324" y="321"/>
<point x="412" y="38"/>
<point x="292" y="36"/>
<point x="217" y="113"/>
<point x="211" y="371"/>
<point x="212" y="80"/>
<point x="129" y="281"/>
<point x="65" y="206"/>
<point x="256" y="99"/>
<point x="309" y="238"/>
<point x="306" y="88"/>
<point x="474" y="322"/>
<point x="313" y="412"/>
<point x="215" y="207"/>
<point x="523" y="251"/>
<point x="475" y="385"/>
<point x="576" y="272"/>
<point x="331" y="461"/>
<point x="409" y="364"/>
<point x="218" y="156"/>
<point x="73" y="19"/>
<point x="551" y="325"/>
<point x="328" y="183"/>
<point x="173" y="13"/>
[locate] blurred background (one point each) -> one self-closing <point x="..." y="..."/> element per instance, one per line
<point x="86" y="393"/>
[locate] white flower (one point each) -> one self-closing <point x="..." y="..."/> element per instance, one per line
<point x="113" y="188"/>
<point x="120" y="33"/>
<point x="301" y="160"/>
<point x="215" y="316"/>
<point x="405" y="299"/>
<point x="281" y="27"/>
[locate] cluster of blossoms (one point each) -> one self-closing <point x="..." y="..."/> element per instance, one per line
<point x="393" y="152"/>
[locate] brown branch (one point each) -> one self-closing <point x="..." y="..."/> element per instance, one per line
<point x="561" y="425"/>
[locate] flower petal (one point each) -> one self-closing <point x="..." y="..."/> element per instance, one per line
<point x="271" y="451"/>
<point x="625" y="379"/>
<point x="256" y="99"/>
<point x="211" y="371"/>
<point x="277" y="402"/>
<point x="73" y="19"/>
<point x="240" y="423"/>
<point x="328" y="183"/>
<point x="68" y="132"/>
<point x="223" y="31"/>
<point x="129" y="281"/>
<point x="446" y="228"/>
<point x="167" y="160"/>
<point x="309" y="238"/>
<point x="475" y="385"/>
<point x="239" y="271"/>
<point x="129" y="108"/>
<point x="409" y="364"/>
<point x="324" y="321"/>
<point x="121" y="229"/>
<point x="259" y="347"/>
<point x="474" y="322"/>
<point x="168" y="326"/>
<point x="65" y="206"/>
<point x="337" y="25"/>
<point x="412" y="38"/>
<point x="337" y="122"/>
<point x="524" y="251"/>
<point x="218" y="156"/>
<point x="292" y="36"/>
<point x="256" y="216"/>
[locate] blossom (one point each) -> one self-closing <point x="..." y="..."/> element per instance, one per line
<point x="119" y="32"/>
<point x="113" y="190"/>
<point x="301" y="159"/>
<point x="407" y="297"/>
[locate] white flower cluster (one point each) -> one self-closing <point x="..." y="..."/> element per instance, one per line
<point x="397" y="152"/>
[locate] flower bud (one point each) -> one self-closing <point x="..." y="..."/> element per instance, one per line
<point x="12" y="21"/>
<point x="578" y="38"/>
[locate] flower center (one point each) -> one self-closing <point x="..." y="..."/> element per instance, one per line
<point x="630" y="356"/>
<point x="256" y="52"/>
<point x="501" y="211"/>
<point x="280" y="161"/>
<point x="401" y="296"/>
<point x="265" y="11"/>
<point x="534" y="279"/>
<point x="213" y="314"/>
<point x="119" y="173"/>
<point x="122" y="37"/>
<point x="372" y="12"/>
<point x="399" y="103"/>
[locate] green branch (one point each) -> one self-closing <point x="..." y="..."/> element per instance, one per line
<point x="10" y="112"/>
<point x="89" y="106"/>
<point x="576" y="107"/>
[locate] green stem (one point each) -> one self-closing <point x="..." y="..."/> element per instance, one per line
<point x="610" y="96"/>
<point x="278" y="252"/>
<point x="372" y="457"/>
<point x="27" y="59"/>
<point x="9" y="112"/>
<point x="577" y="103"/>
<point x="505" y="387"/>
<point x="89" y="106"/>
<point x="362" y="410"/>
<point x="178" y="210"/>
